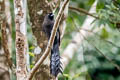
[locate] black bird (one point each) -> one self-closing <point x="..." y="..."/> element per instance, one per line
<point x="55" y="64"/>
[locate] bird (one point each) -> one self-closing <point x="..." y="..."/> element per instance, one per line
<point x="55" y="63"/>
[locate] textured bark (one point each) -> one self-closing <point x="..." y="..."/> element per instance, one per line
<point x="8" y="24"/>
<point x="4" y="51"/>
<point x="21" y="41"/>
<point x="37" y="10"/>
<point x="4" y="68"/>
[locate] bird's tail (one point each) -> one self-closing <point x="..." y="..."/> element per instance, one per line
<point x="55" y="63"/>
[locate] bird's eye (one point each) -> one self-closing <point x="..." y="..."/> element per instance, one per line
<point x="51" y="16"/>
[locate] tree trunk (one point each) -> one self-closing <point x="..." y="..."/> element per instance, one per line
<point x="21" y="40"/>
<point x="37" y="10"/>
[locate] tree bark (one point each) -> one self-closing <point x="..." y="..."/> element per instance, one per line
<point x="5" y="61"/>
<point x="37" y="10"/>
<point x="9" y="25"/>
<point x="21" y="41"/>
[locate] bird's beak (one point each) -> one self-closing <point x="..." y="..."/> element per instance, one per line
<point x="52" y="15"/>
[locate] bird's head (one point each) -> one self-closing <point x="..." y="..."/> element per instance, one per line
<point x="51" y="16"/>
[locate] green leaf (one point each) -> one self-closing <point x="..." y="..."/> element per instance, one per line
<point x="104" y="33"/>
<point x="112" y="25"/>
<point x="31" y="54"/>
<point x="76" y="75"/>
<point x="32" y="47"/>
<point x="79" y="74"/>
<point x="67" y="76"/>
<point x="90" y="2"/>
<point x="100" y="5"/>
<point x="31" y="66"/>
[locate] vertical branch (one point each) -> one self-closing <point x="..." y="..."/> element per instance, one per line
<point x="5" y="38"/>
<point x="5" y="61"/>
<point x="9" y="29"/>
<point x="27" y="55"/>
<point x="8" y="24"/>
<point x="21" y="41"/>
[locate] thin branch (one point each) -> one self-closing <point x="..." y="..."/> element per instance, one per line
<point x="82" y="11"/>
<point x="87" y="13"/>
<point x="5" y="38"/>
<point x="46" y="53"/>
<point x="91" y="31"/>
<point x="116" y="65"/>
<point x="102" y="38"/>
<point x="107" y="58"/>
<point x="79" y="30"/>
<point x="110" y="42"/>
<point x="54" y="4"/>
<point x="5" y="44"/>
